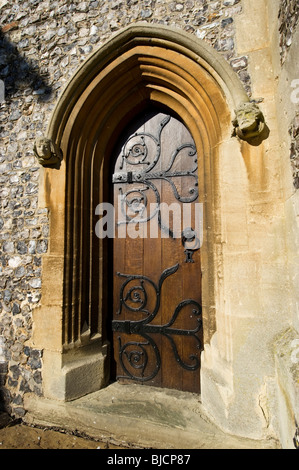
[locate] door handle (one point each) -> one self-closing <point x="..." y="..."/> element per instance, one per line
<point x="190" y="242"/>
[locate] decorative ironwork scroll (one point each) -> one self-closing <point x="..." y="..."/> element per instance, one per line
<point x="134" y="355"/>
<point x="142" y="150"/>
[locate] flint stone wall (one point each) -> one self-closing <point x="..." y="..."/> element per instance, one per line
<point x="288" y="24"/>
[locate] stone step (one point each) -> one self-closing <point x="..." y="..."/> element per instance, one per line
<point x="142" y="416"/>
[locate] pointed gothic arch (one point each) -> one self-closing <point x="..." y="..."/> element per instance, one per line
<point x="140" y="65"/>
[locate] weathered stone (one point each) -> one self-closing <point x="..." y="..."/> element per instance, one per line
<point x="20" y="271"/>
<point x="146" y="13"/>
<point x="42" y="246"/>
<point x="8" y="247"/>
<point x="22" y="248"/>
<point x="15" y="371"/>
<point x="294" y="149"/>
<point x="15" y="262"/>
<point x="35" y="283"/>
<point x="7" y="295"/>
<point x="32" y="246"/>
<point x="34" y="363"/>
<point x="49" y="35"/>
<point x="288" y="20"/>
<point x="19" y="411"/>
<point x="17" y="400"/>
<point x="37" y="377"/>
<point x="239" y="63"/>
<point x="226" y="22"/>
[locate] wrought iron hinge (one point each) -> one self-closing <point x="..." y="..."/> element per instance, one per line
<point x="127" y="177"/>
<point x="133" y="354"/>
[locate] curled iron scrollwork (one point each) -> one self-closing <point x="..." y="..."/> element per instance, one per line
<point x="142" y="150"/>
<point x="134" y="355"/>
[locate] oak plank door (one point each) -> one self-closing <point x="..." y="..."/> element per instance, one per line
<point x="157" y="318"/>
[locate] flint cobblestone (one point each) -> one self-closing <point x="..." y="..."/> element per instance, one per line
<point x="288" y="20"/>
<point x="294" y="149"/>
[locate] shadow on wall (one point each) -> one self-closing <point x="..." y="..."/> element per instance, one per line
<point x="18" y="73"/>
<point x="3" y="375"/>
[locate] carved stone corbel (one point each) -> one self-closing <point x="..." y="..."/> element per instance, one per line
<point x="249" y="121"/>
<point x="47" y="152"/>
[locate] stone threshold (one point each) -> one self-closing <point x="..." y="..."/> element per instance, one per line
<point x="140" y="416"/>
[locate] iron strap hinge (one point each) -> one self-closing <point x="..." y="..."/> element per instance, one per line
<point x="122" y="326"/>
<point x="133" y="327"/>
<point x="143" y="177"/>
<point x="128" y="177"/>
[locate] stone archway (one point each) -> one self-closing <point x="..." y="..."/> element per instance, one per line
<point x="142" y="64"/>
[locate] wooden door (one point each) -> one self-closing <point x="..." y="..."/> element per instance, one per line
<point x="157" y="323"/>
